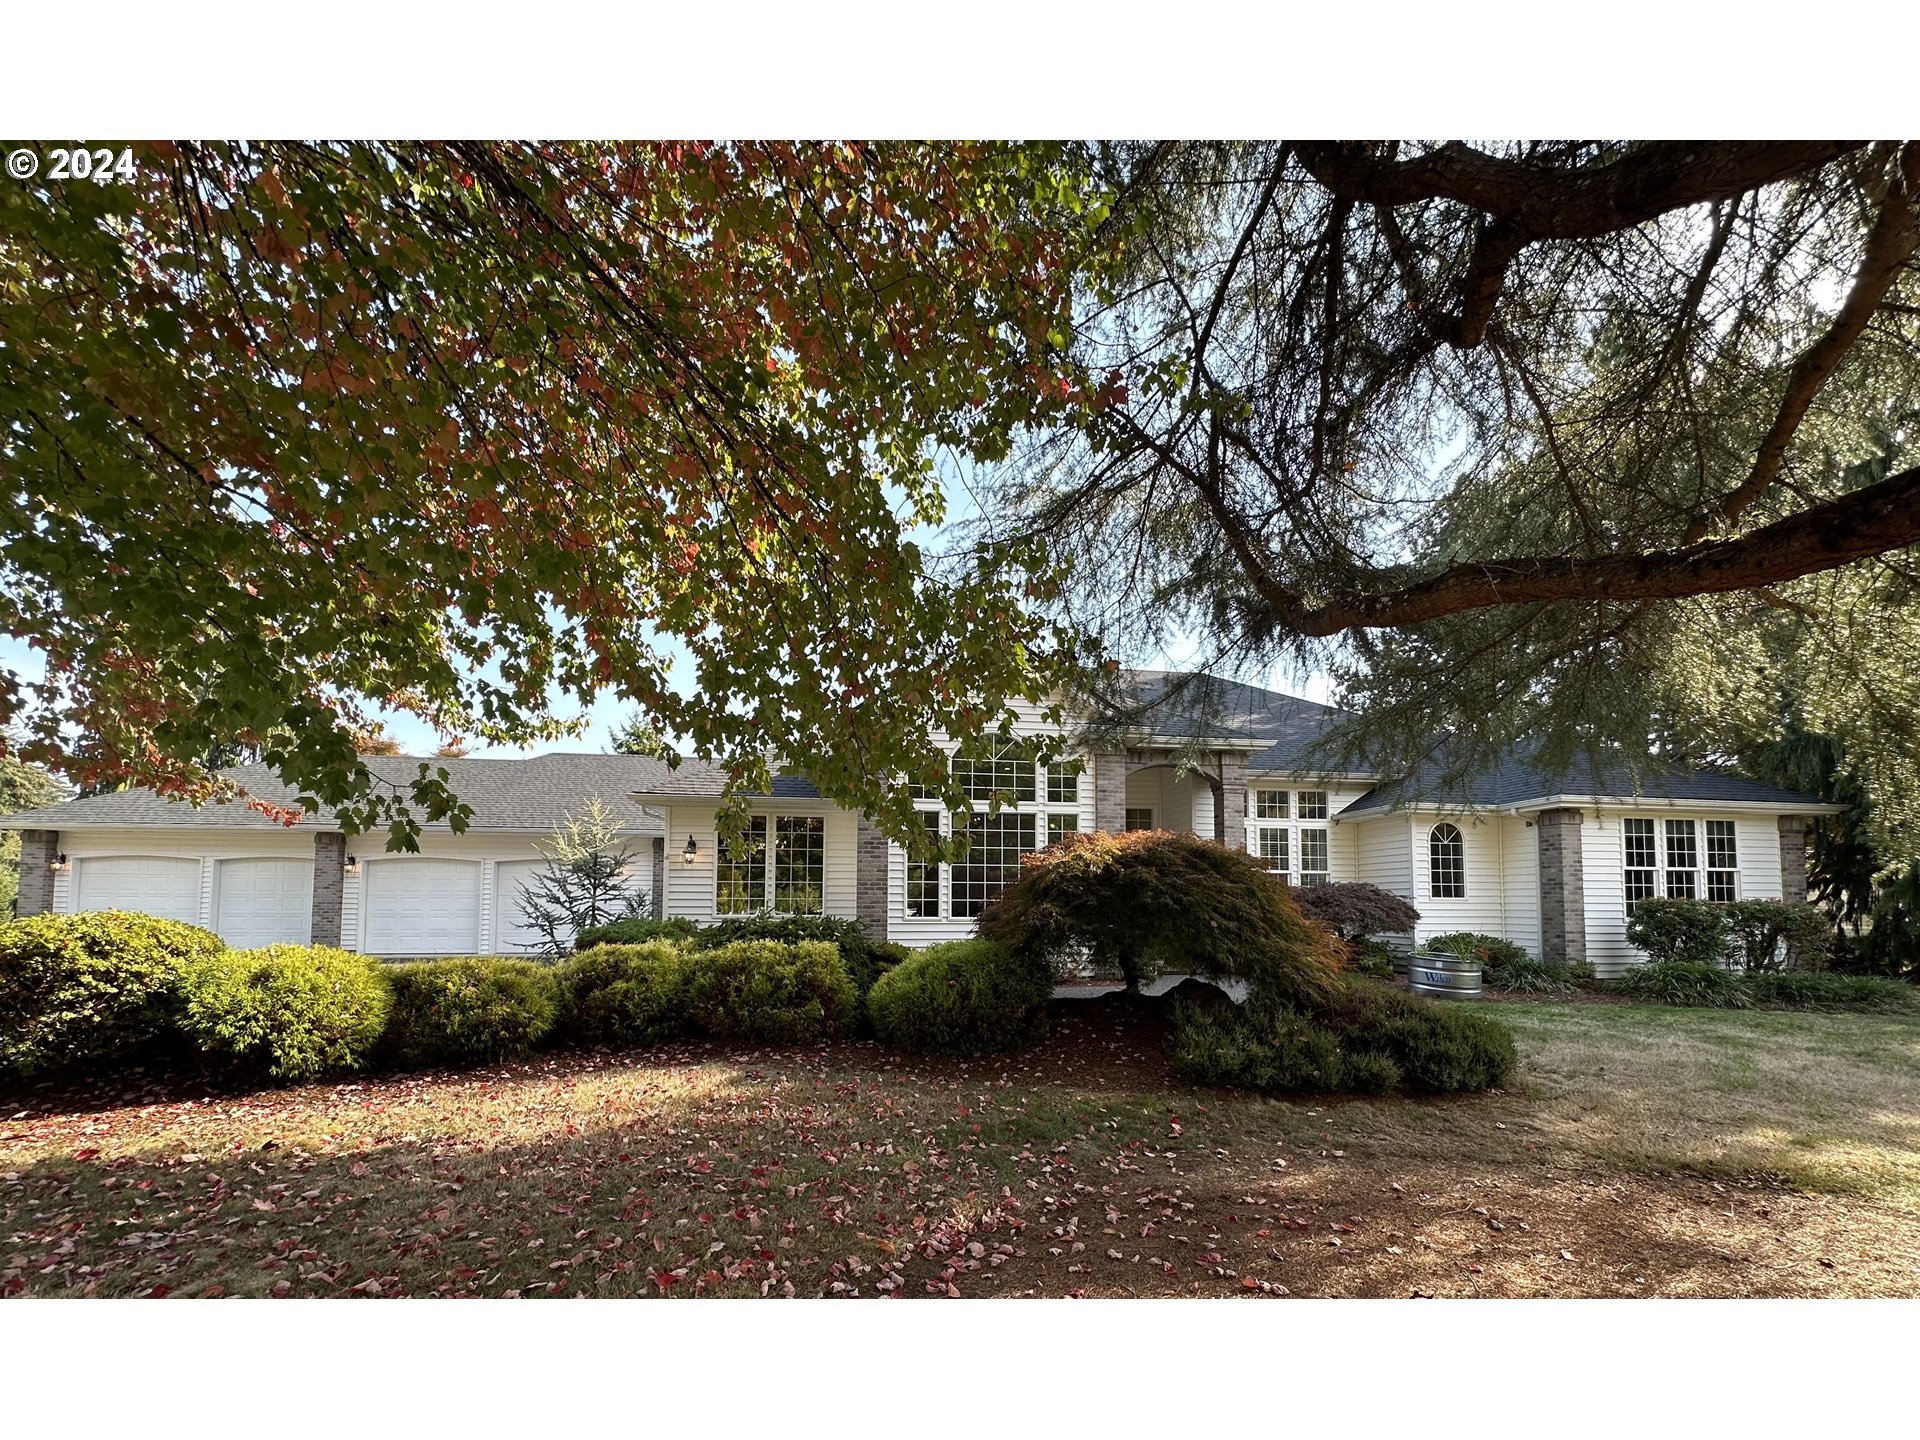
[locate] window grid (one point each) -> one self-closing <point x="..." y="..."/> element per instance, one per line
<point x="1683" y="860"/>
<point x="1003" y="771"/>
<point x="799" y="864"/>
<point x="1139" y="819"/>
<point x="1312" y="804"/>
<point x="1642" y="862"/>
<point x="1273" y="848"/>
<point x="1447" y="862"/>
<point x="1061" y="826"/>
<point x="1063" y="783"/>
<point x="1313" y="857"/>
<point x="923" y="877"/>
<point x="1269" y="804"/>
<point x="992" y="861"/>
<point x="740" y="872"/>
<point x="1723" y="862"/>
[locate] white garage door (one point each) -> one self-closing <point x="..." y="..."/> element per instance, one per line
<point x="154" y="885"/>
<point x="422" y="907"/>
<point x="511" y="933"/>
<point x="265" y="902"/>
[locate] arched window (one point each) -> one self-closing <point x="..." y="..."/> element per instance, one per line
<point x="1447" y="857"/>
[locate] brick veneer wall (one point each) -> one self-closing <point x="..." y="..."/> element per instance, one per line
<point x="1563" y="901"/>
<point x="1793" y="858"/>
<point x="38" y="850"/>
<point x="870" y="878"/>
<point x="1110" y="792"/>
<point x="329" y="880"/>
<point x="1230" y="815"/>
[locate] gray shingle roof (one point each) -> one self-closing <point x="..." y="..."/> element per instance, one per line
<point x="697" y="780"/>
<point x="534" y="793"/>
<point x="1517" y="778"/>
<point x="1181" y="703"/>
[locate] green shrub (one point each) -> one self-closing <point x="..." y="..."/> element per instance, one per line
<point x="1496" y="956"/>
<point x="294" y="1011"/>
<point x="1820" y="990"/>
<point x="965" y="997"/>
<point x="1366" y="1039"/>
<point x="1778" y="934"/>
<point x="767" y="991"/>
<point x="1688" y="932"/>
<point x="635" y="931"/>
<point x="97" y="988"/>
<point x="625" y="994"/>
<point x="1682" y="982"/>
<point x="467" y="1011"/>
<point x="1371" y="957"/>
<point x="865" y="959"/>
<point x="1149" y="901"/>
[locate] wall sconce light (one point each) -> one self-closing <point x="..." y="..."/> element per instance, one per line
<point x="352" y="867"/>
<point x="692" y="851"/>
<point x="59" y="865"/>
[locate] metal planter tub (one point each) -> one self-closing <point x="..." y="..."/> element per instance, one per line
<point x="1442" y="976"/>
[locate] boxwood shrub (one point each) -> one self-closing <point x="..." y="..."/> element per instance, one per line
<point x="866" y="960"/>
<point x="98" y="988"/>
<point x="770" y="992"/>
<point x="293" y="1011"/>
<point x="624" y="994"/>
<point x="1688" y="932"/>
<point x="964" y="997"/>
<point x="467" y="1011"/>
<point x="634" y="931"/>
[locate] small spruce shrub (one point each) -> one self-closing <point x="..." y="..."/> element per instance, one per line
<point x="770" y="992"/>
<point x="635" y="932"/>
<point x="1687" y="932"/>
<point x="467" y="1011"/>
<point x="293" y="1011"/>
<point x="964" y="997"/>
<point x="624" y="994"/>
<point x="99" y="988"/>
<point x="1683" y="982"/>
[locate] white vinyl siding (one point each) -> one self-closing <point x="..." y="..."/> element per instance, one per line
<point x="167" y="886"/>
<point x="1603" y="856"/>
<point x="419" y="906"/>
<point x="690" y="888"/>
<point x="1520" y="882"/>
<point x="1479" y="910"/>
<point x="263" y="902"/>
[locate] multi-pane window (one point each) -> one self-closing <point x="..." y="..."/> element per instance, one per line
<point x="992" y="861"/>
<point x="1139" y="818"/>
<point x="923" y="876"/>
<point x="1005" y="771"/>
<point x="1269" y="804"/>
<point x="1683" y="861"/>
<point x="1063" y="783"/>
<point x="740" y="876"/>
<point x="1061" y="826"/>
<point x="1312" y="804"/>
<point x="1723" y="862"/>
<point x="1642" y="863"/>
<point x="1447" y="862"/>
<point x="1313" y="857"/>
<point x="1272" y="843"/>
<point x="799" y="864"/>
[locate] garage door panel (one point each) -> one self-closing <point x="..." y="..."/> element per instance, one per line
<point x="511" y="933"/>
<point x="163" y="885"/>
<point x="422" y="906"/>
<point x="264" y="902"/>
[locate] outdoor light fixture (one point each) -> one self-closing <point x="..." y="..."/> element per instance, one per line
<point x="692" y="852"/>
<point x="59" y="865"/>
<point x="352" y="867"/>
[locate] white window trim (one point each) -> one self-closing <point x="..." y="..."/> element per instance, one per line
<point x="766" y="895"/>
<point x="1040" y="807"/>
<point x="1459" y="835"/>
<point x="1700" y="870"/>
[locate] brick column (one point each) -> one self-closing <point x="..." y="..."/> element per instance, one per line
<point x="658" y="907"/>
<point x="329" y="880"/>
<point x="1110" y="792"/>
<point x="870" y="879"/>
<point x="38" y="850"/>
<point x="1230" y="815"/>
<point x="1563" y="900"/>
<point x="1793" y="858"/>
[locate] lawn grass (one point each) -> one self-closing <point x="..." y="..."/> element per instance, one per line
<point x="1645" y="1150"/>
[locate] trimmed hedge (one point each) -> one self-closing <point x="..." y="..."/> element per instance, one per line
<point x="624" y="994"/>
<point x="102" y="987"/>
<point x="866" y="959"/>
<point x="294" y="1011"/>
<point x="467" y="1011"/>
<point x="634" y="931"/>
<point x="767" y="991"/>
<point x="964" y="997"/>
<point x="1688" y="932"/>
<point x="1366" y="1038"/>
